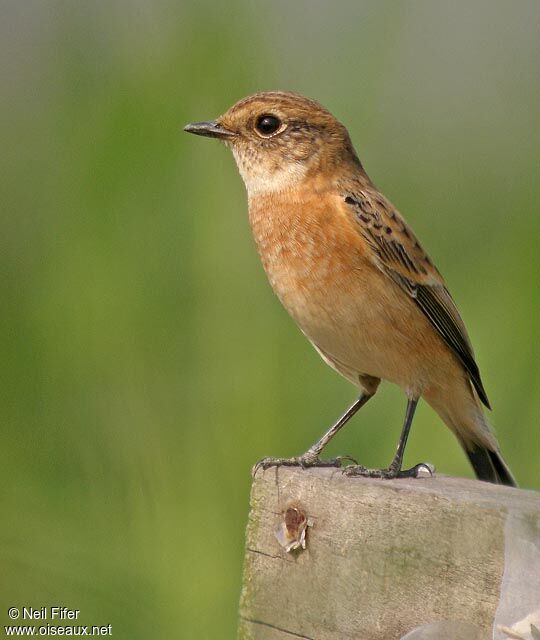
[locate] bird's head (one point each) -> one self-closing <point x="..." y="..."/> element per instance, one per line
<point x="279" y="139"/>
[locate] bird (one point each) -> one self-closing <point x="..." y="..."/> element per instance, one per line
<point x="352" y="274"/>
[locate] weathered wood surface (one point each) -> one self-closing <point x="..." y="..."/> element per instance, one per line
<point x="384" y="557"/>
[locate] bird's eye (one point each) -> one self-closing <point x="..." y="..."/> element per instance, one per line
<point x="267" y="125"/>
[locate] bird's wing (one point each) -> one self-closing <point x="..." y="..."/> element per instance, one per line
<point x="398" y="254"/>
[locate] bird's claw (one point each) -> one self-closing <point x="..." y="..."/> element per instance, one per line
<point x="421" y="470"/>
<point x="305" y="461"/>
<point x="424" y="470"/>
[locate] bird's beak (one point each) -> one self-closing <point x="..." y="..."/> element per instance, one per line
<point x="211" y="129"/>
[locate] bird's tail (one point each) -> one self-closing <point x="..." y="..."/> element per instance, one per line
<point x="489" y="465"/>
<point x="464" y="415"/>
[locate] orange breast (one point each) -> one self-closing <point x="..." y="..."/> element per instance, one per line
<point x="319" y="266"/>
<point x="314" y="258"/>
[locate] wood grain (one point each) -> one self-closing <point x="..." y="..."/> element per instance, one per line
<point x="382" y="557"/>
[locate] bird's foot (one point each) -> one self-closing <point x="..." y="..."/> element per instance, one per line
<point x="421" y="470"/>
<point x="308" y="459"/>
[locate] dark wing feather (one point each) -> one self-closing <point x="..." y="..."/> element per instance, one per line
<point x="432" y="302"/>
<point x="400" y="256"/>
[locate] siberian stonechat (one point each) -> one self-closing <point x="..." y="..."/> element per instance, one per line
<point x="352" y="274"/>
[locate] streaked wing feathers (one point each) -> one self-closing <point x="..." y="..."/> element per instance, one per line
<point x="400" y="256"/>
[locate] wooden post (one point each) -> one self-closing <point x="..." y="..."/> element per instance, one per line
<point x="383" y="557"/>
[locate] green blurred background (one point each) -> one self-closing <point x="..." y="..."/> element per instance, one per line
<point x="146" y="363"/>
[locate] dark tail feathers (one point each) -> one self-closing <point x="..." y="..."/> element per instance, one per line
<point x="488" y="465"/>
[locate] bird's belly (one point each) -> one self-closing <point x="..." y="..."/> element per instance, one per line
<point x="358" y="318"/>
<point x="359" y="321"/>
<point x="332" y="310"/>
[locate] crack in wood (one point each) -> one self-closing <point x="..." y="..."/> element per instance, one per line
<point x="263" y="553"/>
<point x="272" y="626"/>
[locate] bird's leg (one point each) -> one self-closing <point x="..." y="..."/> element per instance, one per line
<point x="311" y="457"/>
<point x="394" y="470"/>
